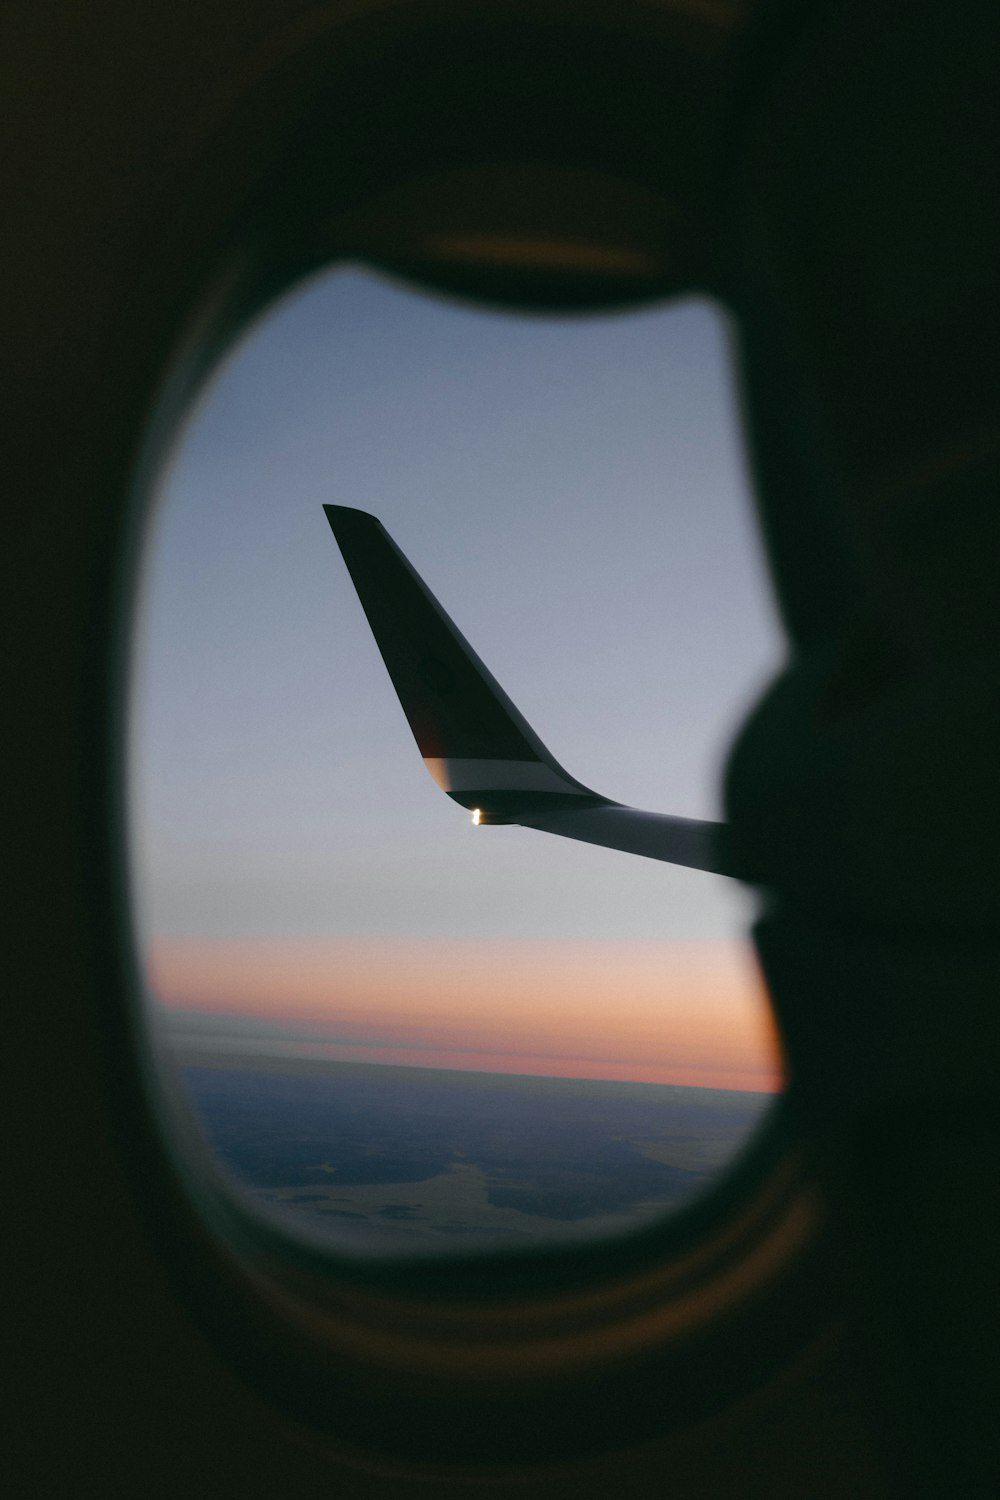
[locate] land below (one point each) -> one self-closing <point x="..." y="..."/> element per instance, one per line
<point x="375" y="1156"/>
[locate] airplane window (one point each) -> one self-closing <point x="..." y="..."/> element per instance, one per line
<point x="400" y="1032"/>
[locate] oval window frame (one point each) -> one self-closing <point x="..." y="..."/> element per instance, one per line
<point x="493" y="1359"/>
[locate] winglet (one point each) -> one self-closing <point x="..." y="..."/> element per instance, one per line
<point x="475" y="743"/>
<point x="478" y="747"/>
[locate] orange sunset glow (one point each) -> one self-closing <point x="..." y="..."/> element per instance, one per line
<point x="673" y="1012"/>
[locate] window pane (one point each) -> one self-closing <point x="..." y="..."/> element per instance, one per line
<point x="396" y="1029"/>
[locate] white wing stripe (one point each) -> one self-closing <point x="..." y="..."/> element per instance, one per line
<point x="498" y="776"/>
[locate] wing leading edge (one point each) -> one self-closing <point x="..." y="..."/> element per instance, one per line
<point x="474" y="741"/>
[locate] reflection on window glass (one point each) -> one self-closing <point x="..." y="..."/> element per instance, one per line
<point x="397" y="1030"/>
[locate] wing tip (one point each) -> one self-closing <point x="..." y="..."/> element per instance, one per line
<point x="341" y="513"/>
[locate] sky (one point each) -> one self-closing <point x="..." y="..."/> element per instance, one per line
<point x="574" y="491"/>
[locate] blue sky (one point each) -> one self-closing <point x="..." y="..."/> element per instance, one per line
<point x="574" y="492"/>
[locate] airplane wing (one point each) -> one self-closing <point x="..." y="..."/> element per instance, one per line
<point x="475" y="743"/>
